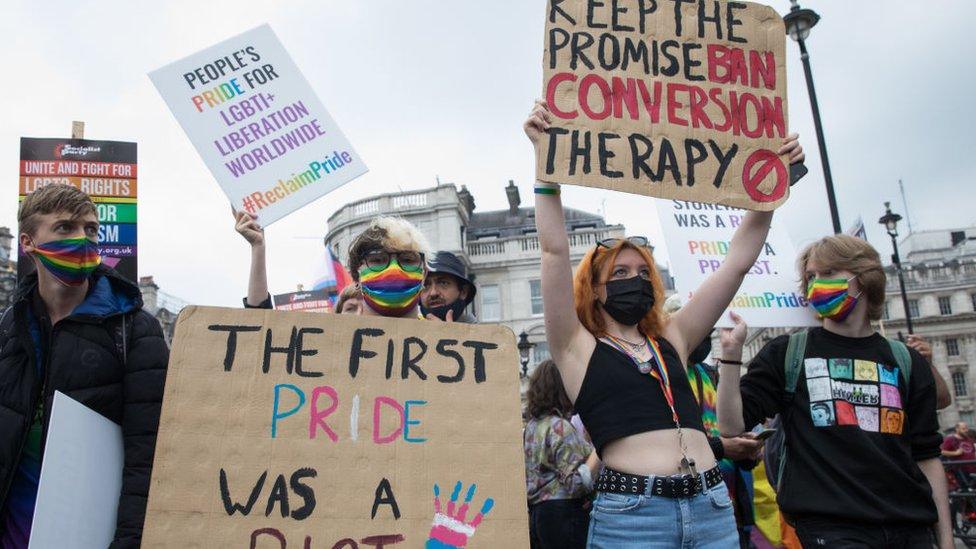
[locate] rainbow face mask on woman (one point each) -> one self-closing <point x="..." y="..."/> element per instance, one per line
<point x="392" y="291"/>
<point x="830" y="297"/>
<point x="70" y="260"/>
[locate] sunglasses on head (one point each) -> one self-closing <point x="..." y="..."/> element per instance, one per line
<point x="635" y="240"/>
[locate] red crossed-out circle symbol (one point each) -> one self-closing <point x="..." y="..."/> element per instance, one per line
<point x="768" y="161"/>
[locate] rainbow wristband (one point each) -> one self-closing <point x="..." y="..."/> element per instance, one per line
<point x="551" y="189"/>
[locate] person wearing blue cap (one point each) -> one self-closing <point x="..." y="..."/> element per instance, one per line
<point x="447" y="290"/>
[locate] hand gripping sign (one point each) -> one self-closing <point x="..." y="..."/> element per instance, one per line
<point x="683" y="100"/>
<point x="258" y="125"/>
<point x="286" y="429"/>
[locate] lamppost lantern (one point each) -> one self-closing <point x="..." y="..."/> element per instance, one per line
<point x="890" y="221"/>
<point x="524" y="348"/>
<point x="799" y="21"/>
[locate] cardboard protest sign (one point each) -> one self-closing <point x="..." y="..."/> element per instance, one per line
<point x="107" y="171"/>
<point x="257" y="123"/>
<point x="310" y="301"/>
<point x="683" y="99"/>
<point x="698" y="237"/>
<point x="295" y="429"/>
<point x="81" y="479"/>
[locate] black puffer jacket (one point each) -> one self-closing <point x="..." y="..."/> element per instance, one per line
<point x="109" y="355"/>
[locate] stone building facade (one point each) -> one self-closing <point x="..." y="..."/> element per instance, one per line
<point x="8" y="268"/>
<point x="500" y="247"/>
<point x="161" y="305"/>
<point x="940" y="282"/>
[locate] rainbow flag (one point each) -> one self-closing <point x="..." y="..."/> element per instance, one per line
<point x="335" y="278"/>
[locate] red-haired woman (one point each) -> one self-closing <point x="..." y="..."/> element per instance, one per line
<point x="622" y="362"/>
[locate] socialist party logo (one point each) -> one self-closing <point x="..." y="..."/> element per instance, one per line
<point x="65" y="150"/>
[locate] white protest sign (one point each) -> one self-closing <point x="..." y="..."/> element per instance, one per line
<point x="257" y="123"/>
<point x="698" y="237"/>
<point x="81" y="478"/>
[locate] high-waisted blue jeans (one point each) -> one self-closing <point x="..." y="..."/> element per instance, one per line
<point x="705" y="521"/>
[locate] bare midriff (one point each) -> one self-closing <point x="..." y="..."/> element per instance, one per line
<point x="658" y="453"/>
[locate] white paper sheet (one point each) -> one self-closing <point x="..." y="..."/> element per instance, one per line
<point x="81" y="477"/>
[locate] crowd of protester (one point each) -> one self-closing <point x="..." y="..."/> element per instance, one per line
<point x="633" y="436"/>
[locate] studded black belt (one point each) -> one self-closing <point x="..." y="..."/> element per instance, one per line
<point x="677" y="486"/>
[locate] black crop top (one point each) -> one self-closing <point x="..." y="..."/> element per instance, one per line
<point x="616" y="400"/>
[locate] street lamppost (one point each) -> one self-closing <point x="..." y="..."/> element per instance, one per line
<point x="524" y="347"/>
<point x="798" y="25"/>
<point x="890" y="221"/>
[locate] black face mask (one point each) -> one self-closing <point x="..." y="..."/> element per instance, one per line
<point x="629" y="300"/>
<point x="441" y="310"/>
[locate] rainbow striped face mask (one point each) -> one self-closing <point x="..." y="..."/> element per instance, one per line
<point x="830" y="297"/>
<point x="70" y="260"/>
<point x="393" y="291"/>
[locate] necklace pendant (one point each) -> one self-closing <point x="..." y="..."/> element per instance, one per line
<point x="644" y="367"/>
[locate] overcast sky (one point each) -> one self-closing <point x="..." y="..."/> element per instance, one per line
<point x="440" y="88"/>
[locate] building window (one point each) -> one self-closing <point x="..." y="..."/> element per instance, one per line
<point x="973" y="297"/>
<point x="945" y="305"/>
<point x="952" y="347"/>
<point x="966" y="417"/>
<point x="887" y="313"/>
<point x="913" y="308"/>
<point x="491" y="304"/>
<point x="540" y="352"/>
<point x="959" y="383"/>
<point x="535" y="291"/>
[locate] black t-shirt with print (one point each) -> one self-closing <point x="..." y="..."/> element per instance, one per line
<point x="854" y="432"/>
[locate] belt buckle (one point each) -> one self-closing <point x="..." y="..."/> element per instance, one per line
<point x="682" y="485"/>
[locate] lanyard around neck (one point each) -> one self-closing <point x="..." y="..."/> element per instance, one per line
<point x="657" y="370"/>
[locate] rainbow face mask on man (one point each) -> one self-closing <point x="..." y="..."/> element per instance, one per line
<point x="831" y="297"/>
<point x="392" y="291"/>
<point x="69" y="260"/>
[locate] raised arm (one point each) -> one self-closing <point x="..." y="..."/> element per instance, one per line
<point x="569" y="343"/>
<point x="729" y="405"/>
<point x="693" y="322"/>
<point x="943" y="397"/>
<point x="257" y="282"/>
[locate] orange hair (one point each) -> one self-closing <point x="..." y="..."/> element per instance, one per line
<point x="594" y="270"/>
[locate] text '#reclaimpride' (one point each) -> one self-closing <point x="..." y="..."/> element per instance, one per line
<point x="317" y="169"/>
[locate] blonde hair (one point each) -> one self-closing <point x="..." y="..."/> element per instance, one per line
<point x="347" y="293"/>
<point x="846" y="253"/>
<point x="393" y="234"/>
<point x="53" y="199"/>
